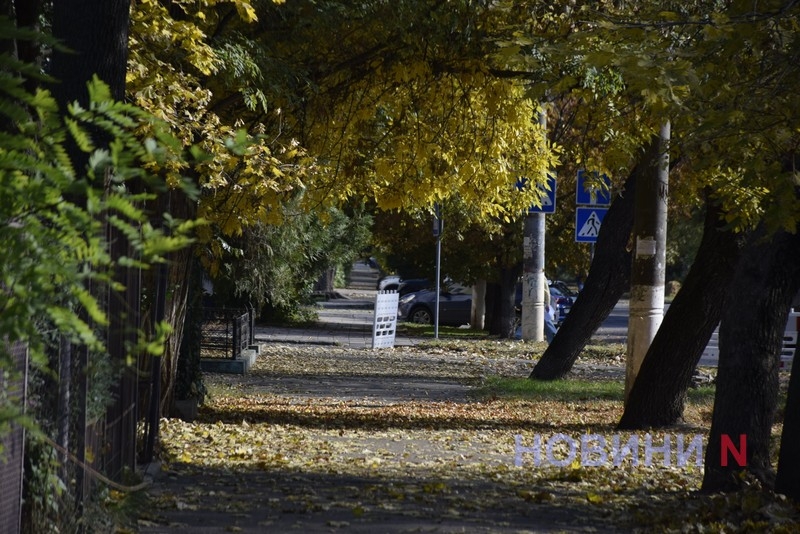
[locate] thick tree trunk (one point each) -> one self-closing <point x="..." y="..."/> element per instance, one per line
<point x="609" y="277"/>
<point x="97" y="34"/>
<point x="478" y="313"/>
<point x="788" y="479"/>
<point x="178" y="291"/>
<point x="8" y="46"/>
<point x="325" y="282"/>
<point x="180" y="270"/>
<point x="28" y="12"/>
<point x="751" y="336"/>
<point x="503" y="319"/>
<point x="658" y="395"/>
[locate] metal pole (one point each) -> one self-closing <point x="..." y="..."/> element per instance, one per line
<point x="438" y="231"/>
<point x="647" y="274"/>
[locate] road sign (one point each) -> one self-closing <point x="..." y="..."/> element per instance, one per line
<point x="548" y="195"/>
<point x="586" y="193"/>
<point x="587" y="223"/>
<point x="549" y="198"/>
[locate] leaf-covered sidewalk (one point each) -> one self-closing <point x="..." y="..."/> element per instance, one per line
<point x="327" y="439"/>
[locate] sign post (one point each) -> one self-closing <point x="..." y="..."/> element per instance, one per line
<point x="437" y="233"/>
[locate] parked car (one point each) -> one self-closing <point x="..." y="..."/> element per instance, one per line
<point x="413" y="284"/>
<point x="390" y="282"/>
<point x="455" y="306"/>
<point x="564" y="288"/>
<point x="563" y="303"/>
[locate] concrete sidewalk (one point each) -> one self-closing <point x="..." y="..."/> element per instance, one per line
<point x="347" y="321"/>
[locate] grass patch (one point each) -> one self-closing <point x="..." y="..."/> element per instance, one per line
<point x="570" y="390"/>
<point x="612" y="352"/>
<point x="450" y="332"/>
<point x="553" y="390"/>
<point x="701" y="395"/>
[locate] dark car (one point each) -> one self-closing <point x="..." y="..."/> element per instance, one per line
<point x="455" y="306"/>
<point x="390" y="282"/>
<point x="563" y="303"/>
<point x="413" y="284"/>
<point x="563" y="288"/>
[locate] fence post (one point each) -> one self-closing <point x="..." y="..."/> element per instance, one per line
<point x="237" y="334"/>
<point x="13" y="387"/>
<point x="252" y="340"/>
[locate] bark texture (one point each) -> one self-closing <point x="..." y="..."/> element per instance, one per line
<point x="750" y="339"/>
<point x="502" y="321"/>
<point x="96" y="34"/>
<point x="658" y="395"/>
<point x="609" y="276"/>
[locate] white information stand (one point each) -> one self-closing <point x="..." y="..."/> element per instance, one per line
<point x="385" y="323"/>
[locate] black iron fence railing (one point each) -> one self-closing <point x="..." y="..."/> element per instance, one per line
<point x="226" y="332"/>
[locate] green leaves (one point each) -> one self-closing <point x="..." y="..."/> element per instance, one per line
<point x="53" y="216"/>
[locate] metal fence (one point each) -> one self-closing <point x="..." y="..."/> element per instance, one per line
<point x="226" y="333"/>
<point x="12" y="389"/>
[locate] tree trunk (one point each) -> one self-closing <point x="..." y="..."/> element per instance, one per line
<point x="691" y="319"/>
<point x="96" y="32"/>
<point x="478" y="312"/>
<point x="503" y="319"/>
<point x="8" y="46"/>
<point x="609" y="276"/>
<point x="492" y="302"/>
<point x="646" y="310"/>
<point x="175" y="315"/>
<point x="28" y="51"/>
<point x="750" y="339"/>
<point x="180" y="269"/>
<point x="788" y="479"/>
<point x="325" y="282"/>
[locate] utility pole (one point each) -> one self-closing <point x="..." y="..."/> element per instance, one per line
<point x="534" y="283"/>
<point x="533" y="280"/>
<point x="649" y="259"/>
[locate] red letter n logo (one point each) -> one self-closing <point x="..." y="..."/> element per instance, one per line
<point x="726" y="446"/>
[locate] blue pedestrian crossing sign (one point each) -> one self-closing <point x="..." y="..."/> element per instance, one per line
<point x="587" y="223"/>
<point x="591" y="194"/>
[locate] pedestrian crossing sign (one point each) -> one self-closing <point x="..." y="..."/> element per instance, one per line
<point x="587" y="223"/>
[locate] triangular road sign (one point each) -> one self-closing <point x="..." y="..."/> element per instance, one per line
<point x="591" y="227"/>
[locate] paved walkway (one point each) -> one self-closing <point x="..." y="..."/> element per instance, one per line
<point x="320" y="437"/>
<point x="346" y="321"/>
